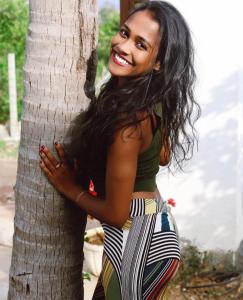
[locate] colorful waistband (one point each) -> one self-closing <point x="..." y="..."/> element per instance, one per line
<point x="143" y="206"/>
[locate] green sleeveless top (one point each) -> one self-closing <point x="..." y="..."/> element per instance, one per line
<point x="148" y="161"/>
<point x="147" y="165"/>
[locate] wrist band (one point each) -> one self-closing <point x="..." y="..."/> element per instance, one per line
<point x="79" y="195"/>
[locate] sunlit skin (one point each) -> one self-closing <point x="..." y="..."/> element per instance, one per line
<point x="123" y="154"/>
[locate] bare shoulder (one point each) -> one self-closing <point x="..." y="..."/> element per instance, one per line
<point x="134" y="134"/>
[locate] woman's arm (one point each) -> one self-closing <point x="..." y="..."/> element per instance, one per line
<point x="120" y="177"/>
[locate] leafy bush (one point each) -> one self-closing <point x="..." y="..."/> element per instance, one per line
<point x="195" y="262"/>
<point x="13" y="29"/>
<point x="191" y="261"/>
<point x="108" y="26"/>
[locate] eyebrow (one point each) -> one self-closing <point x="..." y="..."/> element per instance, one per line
<point x="140" y="37"/>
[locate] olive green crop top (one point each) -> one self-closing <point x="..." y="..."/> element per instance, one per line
<point x="147" y="166"/>
<point x="148" y="161"/>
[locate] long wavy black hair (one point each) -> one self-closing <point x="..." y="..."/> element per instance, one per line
<point x="92" y="131"/>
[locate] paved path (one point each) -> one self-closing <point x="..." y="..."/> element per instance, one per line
<point x="5" y="258"/>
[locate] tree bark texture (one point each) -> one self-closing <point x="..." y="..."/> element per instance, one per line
<point x="59" y="75"/>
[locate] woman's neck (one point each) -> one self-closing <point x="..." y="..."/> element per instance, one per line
<point x="121" y="81"/>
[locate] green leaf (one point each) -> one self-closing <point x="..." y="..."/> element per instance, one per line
<point x="87" y="276"/>
<point x="13" y="30"/>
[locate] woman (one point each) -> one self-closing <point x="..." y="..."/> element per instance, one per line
<point x="139" y="120"/>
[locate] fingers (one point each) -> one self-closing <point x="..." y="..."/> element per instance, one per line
<point x="45" y="170"/>
<point x="47" y="162"/>
<point x="60" y="152"/>
<point x="48" y="158"/>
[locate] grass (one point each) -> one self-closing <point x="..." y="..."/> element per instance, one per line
<point x="9" y="149"/>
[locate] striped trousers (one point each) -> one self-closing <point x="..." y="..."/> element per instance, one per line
<point x="139" y="259"/>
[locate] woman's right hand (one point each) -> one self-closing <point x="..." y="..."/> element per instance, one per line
<point x="59" y="173"/>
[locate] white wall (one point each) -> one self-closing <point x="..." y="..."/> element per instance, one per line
<point x="209" y="196"/>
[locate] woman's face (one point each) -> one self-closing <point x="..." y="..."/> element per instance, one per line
<point x="135" y="47"/>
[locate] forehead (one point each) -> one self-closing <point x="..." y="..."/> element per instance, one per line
<point x="142" y="24"/>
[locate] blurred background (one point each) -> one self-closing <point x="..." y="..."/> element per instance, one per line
<point x="209" y="195"/>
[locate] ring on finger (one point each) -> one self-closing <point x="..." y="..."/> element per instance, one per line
<point x="58" y="165"/>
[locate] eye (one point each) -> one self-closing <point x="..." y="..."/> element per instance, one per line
<point x="123" y="32"/>
<point x="141" y="45"/>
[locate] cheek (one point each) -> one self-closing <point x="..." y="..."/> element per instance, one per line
<point x="144" y="59"/>
<point x="115" y="40"/>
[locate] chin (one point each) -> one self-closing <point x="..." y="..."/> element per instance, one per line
<point x="118" y="70"/>
<point x="114" y="72"/>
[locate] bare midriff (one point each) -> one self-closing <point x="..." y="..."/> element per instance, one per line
<point x="147" y="195"/>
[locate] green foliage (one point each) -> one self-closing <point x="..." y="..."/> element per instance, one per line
<point x="191" y="262"/>
<point x="108" y="27"/>
<point x="218" y="260"/>
<point x="13" y="29"/>
<point x="87" y="276"/>
<point x="196" y="263"/>
<point x="9" y="150"/>
<point x="192" y="259"/>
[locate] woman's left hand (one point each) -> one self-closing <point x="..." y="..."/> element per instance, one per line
<point x="59" y="173"/>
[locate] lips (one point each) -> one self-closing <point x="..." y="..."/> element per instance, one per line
<point x="119" y="62"/>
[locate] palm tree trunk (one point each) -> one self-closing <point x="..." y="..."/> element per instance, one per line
<point x="58" y="74"/>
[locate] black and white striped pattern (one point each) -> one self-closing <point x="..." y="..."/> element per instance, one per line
<point x="134" y="257"/>
<point x="163" y="245"/>
<point x="113" y="246"/>
<point x="130" y="250"/>
<point x="138" y="207"/>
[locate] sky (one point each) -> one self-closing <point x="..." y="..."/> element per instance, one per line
<point x="114" y="2"/>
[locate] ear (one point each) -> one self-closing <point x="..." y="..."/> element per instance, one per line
<point x="157" y="66"/>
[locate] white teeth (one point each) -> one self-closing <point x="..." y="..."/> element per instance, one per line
<point x="121" y="60"/>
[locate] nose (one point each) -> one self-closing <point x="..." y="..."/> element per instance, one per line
<point x="124" y="47"/>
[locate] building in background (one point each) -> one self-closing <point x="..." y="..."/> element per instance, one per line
<point x="209" y="196"/>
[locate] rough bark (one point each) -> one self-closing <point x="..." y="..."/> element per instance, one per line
<point x="58" y="74"/>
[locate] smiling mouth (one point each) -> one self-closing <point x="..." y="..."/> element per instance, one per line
<point x="119" y="60"/>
